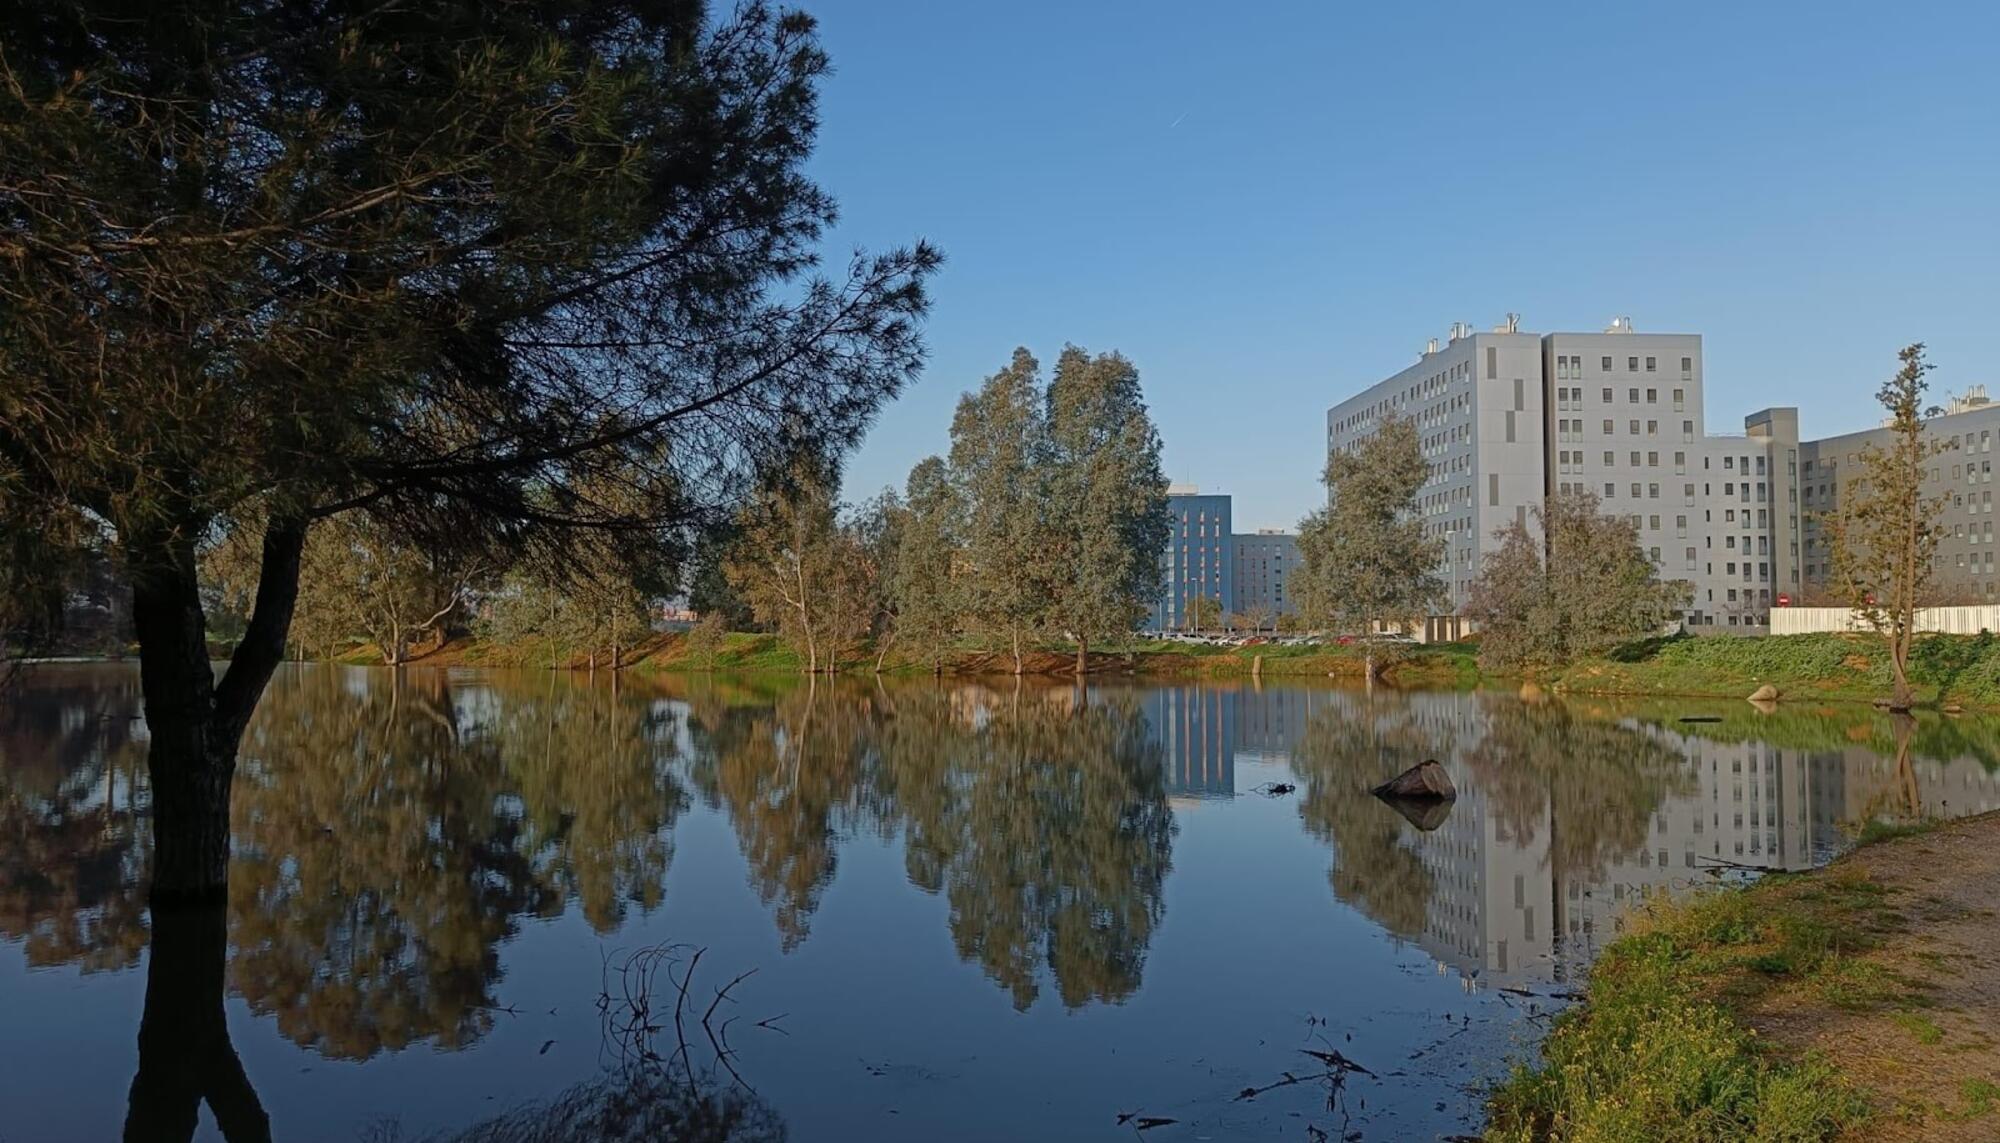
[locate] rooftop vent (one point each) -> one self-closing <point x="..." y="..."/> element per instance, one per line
<point x="1184" y="490"/>
<point x="1511" y="325"/>
<point x="1619" y="325"/>
<point x="1430" y="347"/>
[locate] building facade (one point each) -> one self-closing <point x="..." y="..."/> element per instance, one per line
<point x="1197" y="561"/>
<point x="1507" y="418"/>
<point x="1960" y="475"/>
<point x="1265" y="560"/>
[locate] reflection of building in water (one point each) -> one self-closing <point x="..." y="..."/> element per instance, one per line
<point x="1203" y="730"/>
<point x="1196" y="729"/>
<point x="1533" y="888"/>
<point x="1757" y="806"/>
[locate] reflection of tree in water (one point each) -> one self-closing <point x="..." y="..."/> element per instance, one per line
<point x="790" y="776"/>
<point x="389" y="833"/>
<point x="1045" y="823"/>
<point x="72" y="850"/>
<point x="377" y="865"/>
<point x="1594" y="785"/>
<point x="1042" y="820"/>
<point x="1597" y="783"/>
<point x="1346" y="748"/>
<point x="593" y="768"/>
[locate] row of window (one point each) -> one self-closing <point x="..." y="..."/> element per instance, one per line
<point x="1573" y="429"/>
<point x="1572" y="399"/>
<point x="1569" y="367"/>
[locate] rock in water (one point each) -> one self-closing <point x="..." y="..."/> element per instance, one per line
<point x="1426" y="780"/>
<point x="1765" y="693"/>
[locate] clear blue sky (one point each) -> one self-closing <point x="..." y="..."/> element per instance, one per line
<point x="1268" y="206"/>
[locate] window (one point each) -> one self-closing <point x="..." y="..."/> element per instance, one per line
<point x="1653" y="493"/>
<point x="1607" y="392"/>
<point x="1681" y="530"/>
<point x="1607" y="368"/>
<point x="1652" y="395"/>
<point x="1652" y="365"/>
<point x="1610" y="458"/>
<point x="1680" y="399"/>
<point x="1635" y="428"/>
<point x="1610" y="491"/>
<point x="1632" y="395"/>
<point x="1687" y="431"/>
<point x="1608" y="430"/>
<point x="1635" y="491"/>
<point x="1652" y="428"/>
<point x="1631" y="365"/>
<point x="1687" y="366"/>
<point x="1635" y="459"/>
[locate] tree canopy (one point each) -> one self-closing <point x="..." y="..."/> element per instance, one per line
<point x="1574" y="585"/>
<point x="494" y="272"/>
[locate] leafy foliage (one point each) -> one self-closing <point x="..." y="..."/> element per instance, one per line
<point x="1367" y="559"/>
<point x="1575" y="585"/>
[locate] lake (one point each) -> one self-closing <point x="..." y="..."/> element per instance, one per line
<point x="475" y="904"/>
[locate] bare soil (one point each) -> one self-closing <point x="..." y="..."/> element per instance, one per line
<point x="1922" y="1035"/>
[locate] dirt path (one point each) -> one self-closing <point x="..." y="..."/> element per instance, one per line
<point x="1920" y="1029"/>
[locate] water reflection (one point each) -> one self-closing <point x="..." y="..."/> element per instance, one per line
<point x="1039" y="814"/>
<point x="394" y="831"/>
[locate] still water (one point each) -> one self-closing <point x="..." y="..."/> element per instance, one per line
<point x="463" y="904"/>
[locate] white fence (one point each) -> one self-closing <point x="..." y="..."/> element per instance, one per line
<point x="1947" y="620"/>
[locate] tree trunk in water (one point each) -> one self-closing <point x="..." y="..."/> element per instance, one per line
<point x="185" y="1056"/>
<point x="196" y="722"/>
<point x="1018" y="668"/>
<point x="1082" y="657"/>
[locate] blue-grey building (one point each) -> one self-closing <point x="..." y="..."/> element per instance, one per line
<point x="1199" y="559"/>
<point x="1265" y="561"/>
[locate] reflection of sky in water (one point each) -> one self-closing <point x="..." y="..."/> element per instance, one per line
<point x="984" y="913"/>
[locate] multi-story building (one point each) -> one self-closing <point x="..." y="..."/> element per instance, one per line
<point x="1507" y="418"/>
<point x="1265" y="560"/>
<point x="1197" y="561"/>
<point x="1961" y="475"/>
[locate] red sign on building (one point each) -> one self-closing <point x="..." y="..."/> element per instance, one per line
<point x="1784" y="600"/>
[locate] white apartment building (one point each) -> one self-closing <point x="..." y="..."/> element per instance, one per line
<point x="1508" y="418"/>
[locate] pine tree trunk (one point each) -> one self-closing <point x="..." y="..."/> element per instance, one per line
<point x="195" y="723"/>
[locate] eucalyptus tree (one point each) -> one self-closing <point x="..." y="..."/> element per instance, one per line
<point x="998" y="459"/>
<point x="1885" y="532"/>
<point x="457" y="264"/>
<point x="1367" y="562"/>
<point x="802" y="572"/>
<point x="1106" y="515"/>
<point x="927" y="552"/>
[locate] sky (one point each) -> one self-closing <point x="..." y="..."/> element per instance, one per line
<point x="1269" y="206"/>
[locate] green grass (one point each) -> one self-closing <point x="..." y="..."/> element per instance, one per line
<point x="1980" y="1096"/>
<point x="1962" y="669"/>
<point x="1660" y="1052"/>
<point x="1920" y="1026"/>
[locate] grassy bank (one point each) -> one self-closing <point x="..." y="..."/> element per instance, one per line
<point x="1945" y="669"/>
<point x="1444" y="665"/>
<point x="1764" y="1013"/>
